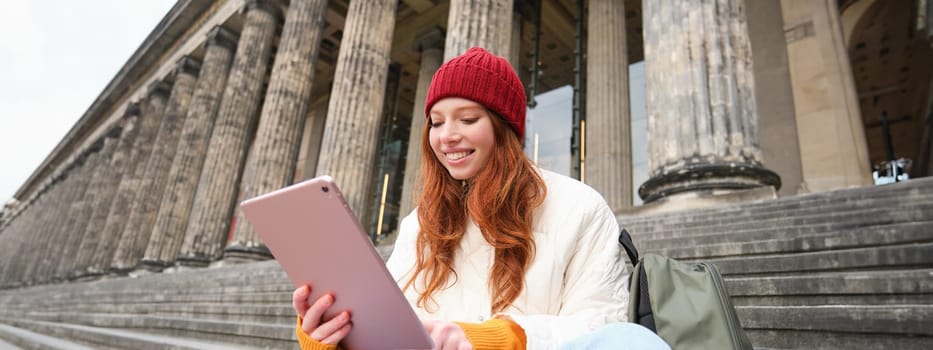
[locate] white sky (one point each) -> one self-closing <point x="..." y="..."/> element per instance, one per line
<point x="56" y="56"/>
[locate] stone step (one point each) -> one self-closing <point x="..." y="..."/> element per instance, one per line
<point x="181" y="288"/>
<point x="136" y="287"/>
<point x="913" y="320"/>
<point x="899" y="256"/>
<point x="791" y="339"/>
<point x="246" y="334"/>
<point x="9" y="346"/>
<point x="208" y="277"/>
<point x="280" y="313"/>
<point x="231" y="300"/>
<point x="834" y="288"/>
<point x="902" y="194"/>
<point x="791" y="225"/>
<point x="106" y="337"/>
<point x="764" y="231"/>
<point x="839" y="326"/>
<point x="745" y="213"/>
<point x="229" y="274"/>
<point x="17" y="338"/>
<point x="180" y="281"/>
<point x="867" y="236"/>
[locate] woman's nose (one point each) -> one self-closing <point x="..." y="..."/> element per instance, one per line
<point x="449" y="133"/>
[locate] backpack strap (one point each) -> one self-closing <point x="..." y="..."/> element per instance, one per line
<point x="625" y="239"/>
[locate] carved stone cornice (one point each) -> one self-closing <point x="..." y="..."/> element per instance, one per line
<point x="159" y="88"/>
<point x="222" y="36"/>
<point x="431" y="39"/>
<point x="189" y="65"/>
<point x="132" y="110"/>
<point x="273" y="7"/>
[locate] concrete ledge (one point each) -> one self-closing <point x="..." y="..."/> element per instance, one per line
<point x="243" y="333"/>
<point x="6" y="345"/>
<point x="858" y="237"/>
<point x="911" y="320"/>
<point x="280" y="313"/>
<point x="790" y="339"/>
<point x="835" y="283"/>
<point x="784" y="226"/>
<point x="25" y="339"/>
<point x="896" y="256"/>
<point x="117" y="338"/>
<point x="901" y="194"/>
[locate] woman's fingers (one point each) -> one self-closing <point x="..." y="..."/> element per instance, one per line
<point x="336" y="337"/>
<point x="447" y="336"/>
<point x="312" y="317"/>
<point x="333" y="331"/>
<point x="330" y="332"/>
<point x="300" y="299"/>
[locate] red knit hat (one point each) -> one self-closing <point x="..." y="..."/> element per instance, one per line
<point x="484" y="78"/>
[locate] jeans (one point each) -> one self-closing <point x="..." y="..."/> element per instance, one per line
<point x="621" y="335"/>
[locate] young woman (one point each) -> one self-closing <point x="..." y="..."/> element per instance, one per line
<point x="498" y="254"/>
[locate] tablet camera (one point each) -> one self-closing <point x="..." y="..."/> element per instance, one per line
<point x="325" y="189"/>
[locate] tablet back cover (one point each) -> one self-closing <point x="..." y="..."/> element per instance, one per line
<point x="318" y="240"/>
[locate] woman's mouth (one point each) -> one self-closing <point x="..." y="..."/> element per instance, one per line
<point x="457" y="155"/>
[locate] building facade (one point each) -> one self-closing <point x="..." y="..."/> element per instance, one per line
<point x="229" y="99"/>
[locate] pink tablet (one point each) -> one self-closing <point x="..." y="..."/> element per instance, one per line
<point x="317" y="239"/>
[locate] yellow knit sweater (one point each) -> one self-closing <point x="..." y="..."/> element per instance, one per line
<point x="495" y="334"/>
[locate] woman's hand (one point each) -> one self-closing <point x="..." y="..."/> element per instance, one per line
<point x="329" y="332"/>
<point x="447" y="336"/>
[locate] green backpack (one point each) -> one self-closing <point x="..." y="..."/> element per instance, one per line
<point x="687" y="305"/>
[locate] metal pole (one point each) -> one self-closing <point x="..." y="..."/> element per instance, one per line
<point x="579" y="92"/>
<point x="533" y="84"/>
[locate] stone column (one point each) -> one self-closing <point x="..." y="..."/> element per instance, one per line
<point x="515" y="42"/>
<point x="356" y="100"/>
<point x="75" y="230"/>
<point x="702" y="120"/>
<point x="431" y="46"/>
<point x="138" y="228"/>
<point x="172" y="219"/>
<point x="834" y="152"/>
<point x="26" y="230"/>
<point x="15" y="235"/>
<point x="149" y="122"/>
<point x="55" y="236"/>
<point x="311" y="141"/>
<point x="774" y="96"/>
<point x="29" y="227"/>
<point x="13" y="238"/>
<point x="271" y="162"/>
<point x="929" y="111"/>
<point x="484" y="23"/>
<point x="44" y="226"/>
<point x="608" y="118"/>
<point x="116" y="168"/>
<point x="49" y="206"/>
<point x="236" y="123"/>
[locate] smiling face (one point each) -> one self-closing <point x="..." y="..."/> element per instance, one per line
<point x="461" y="135"/>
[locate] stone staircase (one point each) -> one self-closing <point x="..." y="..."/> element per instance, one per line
<point x="233" y="307"/>
<point x="848" y="269"/>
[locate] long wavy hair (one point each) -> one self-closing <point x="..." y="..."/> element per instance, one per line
<point x="500" y="199"/>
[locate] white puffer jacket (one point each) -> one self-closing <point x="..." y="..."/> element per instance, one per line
<point x="576" y="283"/>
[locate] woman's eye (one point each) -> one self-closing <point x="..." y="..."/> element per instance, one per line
<point x="435" y="124"/>
<point x="469" y="121"/>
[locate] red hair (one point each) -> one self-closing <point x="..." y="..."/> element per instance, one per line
<point x="500" y="199"/>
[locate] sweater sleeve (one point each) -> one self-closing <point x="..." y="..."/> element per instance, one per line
<point x="495" y="334"/>
<point x="307" y="343"/>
